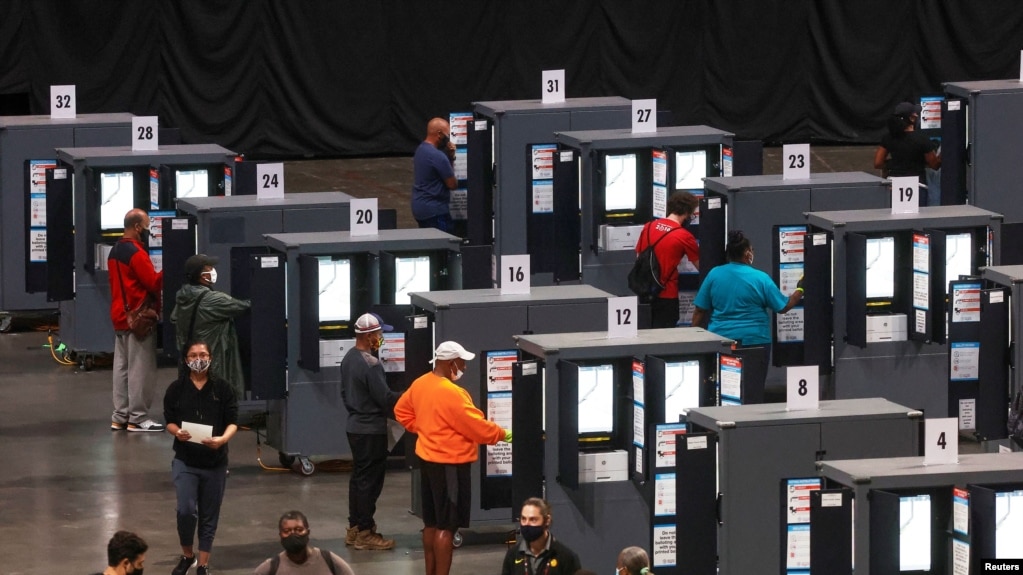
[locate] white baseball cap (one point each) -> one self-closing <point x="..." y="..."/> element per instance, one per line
<point x="369" y="322"/>
<point x="451" y="350"/>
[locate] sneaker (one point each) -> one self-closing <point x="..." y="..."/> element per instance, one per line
<point x="203" y="570"/>
<point x="147" y="425"/>
<point x="351" y="534"/>
<point x="370" y="540"/>
<point x="115" y="426"/>
<point x="184" y="564"/>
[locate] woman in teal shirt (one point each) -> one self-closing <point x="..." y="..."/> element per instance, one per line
<point x="737" y="299"/>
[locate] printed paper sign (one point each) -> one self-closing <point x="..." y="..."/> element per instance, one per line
<point x="905" y="195"/>
<point x="731" y="378"/>
<point x="515" y="274"/>
<point x="797" y="547"/>
<point x="269" y="181"/>
<point x="802" y="387"/>
<point x="941" y="441"/>
<point x="62" y="102"/>
<point x="665" y="544"/>
<point x="961" y="511"/>
<point x="796" y="162"/>
<point x="790" y="244"/>
<point x="660" y="164"/>
<point x="363" y="214"/>
<point x="664" y="494"/>
<point x="543" y="197"/>
<point x="644" y="116"/>
<point x="797" y="508"/>
<point x="964" y="360"/>
<point x="921" y="253"/>
<point x="621" y="317"/>
<point x="543" y="161"/>
<point x="638" y="424"/>
<point x="145" y="133"/>
<point x="459" y="124"/>
<point x="392" y="353"/>
<point x="499" y="457"/>
<point x="668" y="439"/>
<point x="790" y="325"/>
<point x="552" y="86"/>
<point x="499" y="369"/>
<point x="966" y="303"/>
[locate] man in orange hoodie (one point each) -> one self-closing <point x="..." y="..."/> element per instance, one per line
<point x="450" y="428"/>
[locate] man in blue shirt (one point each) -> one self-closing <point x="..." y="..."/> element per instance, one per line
<point x="434" y="177"/>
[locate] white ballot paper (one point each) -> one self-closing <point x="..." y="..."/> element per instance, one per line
<point x="394" y="433"/>
<point x="198" y="431"/>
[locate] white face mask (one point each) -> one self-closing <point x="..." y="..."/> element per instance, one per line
<point x="213" y="275"/>
<point x="457" y="375"/>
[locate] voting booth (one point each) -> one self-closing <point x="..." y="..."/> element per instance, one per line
<point x="27" y="148"/>
<point x="608" y="435"/>
<point x="912" y="517"/>
<point x="761" y="448"/>
<point x="307" y="291"/>
<point x="887" y="275"/>
<point x="87" y="196"/>
<point x="769" y="211"/>
<point x="485" y="321"/>
<point x="607" y="184"/>
<point x="508" y="161"/>
<point x="977" y="167"/>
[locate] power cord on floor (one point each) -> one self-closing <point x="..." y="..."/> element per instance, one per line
<point x="63" y="359"/>
<point x="329" y="466"/>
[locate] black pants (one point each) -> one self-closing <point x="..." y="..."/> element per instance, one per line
<point x="663" y="312"/>
<point x="369" y="455"/>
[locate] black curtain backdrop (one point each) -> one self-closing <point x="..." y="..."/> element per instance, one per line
<point x="317" y="78"/>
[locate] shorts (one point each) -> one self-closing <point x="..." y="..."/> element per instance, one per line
<point x="447" y="495"/>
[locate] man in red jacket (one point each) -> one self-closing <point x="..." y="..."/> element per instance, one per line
<point x="132" y="279"/>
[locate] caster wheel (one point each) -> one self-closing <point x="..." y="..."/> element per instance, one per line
<point x="5" y="323"/>
<point x="285" y="459"/>
<point x="88" y="362"/>
<point x="457" y="540"/>
<point x="306" y="467"/>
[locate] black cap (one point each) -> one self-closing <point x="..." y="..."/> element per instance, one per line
<point x="195" y="264"/>
<point x="906" y="109"/>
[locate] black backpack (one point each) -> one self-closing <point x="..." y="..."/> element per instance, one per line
<point x="275" y="563"/>
<point x="645" y="275"/>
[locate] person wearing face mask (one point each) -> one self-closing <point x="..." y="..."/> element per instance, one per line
<point x="126" y="554"/>
<point x="200" y="312"/>
<point x="133" y="280"/>
<point x="299" y="557"/>
<point x="678" y="242"/>
<point x="370" y="402"/>
<point x="537" y="552"/>
<point x="735" y="301"/>
<point x="450" y="430"/>
<point x="433" y="177"/>
<point x="199" y="401"/>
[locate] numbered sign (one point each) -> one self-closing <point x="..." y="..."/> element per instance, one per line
<point x="795" y="162"/>
<point x="802" y="388"/>
<point x="62" y="102"/>
<point x="622" y="317"/>
<point x="553" y="88"/>
<point x="644" y="116"/>
<point x="514" y="274"/>
<point x="269" y="181"/>
<point x="145" y="133"/>
<point x="905" y="195"/>
<point x="363" y="216"/>
<point x="941" y="437"/>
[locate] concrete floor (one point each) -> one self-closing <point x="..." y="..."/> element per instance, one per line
<point x="69" y="482"/>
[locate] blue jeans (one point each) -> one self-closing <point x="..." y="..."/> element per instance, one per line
<point x="200" y="493"/>
<point x="442" y="222"/>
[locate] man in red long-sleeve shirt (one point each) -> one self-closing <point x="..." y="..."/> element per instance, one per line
<point x="132" y="278"/>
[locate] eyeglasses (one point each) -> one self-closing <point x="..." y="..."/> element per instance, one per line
<point x="295" y="530"/>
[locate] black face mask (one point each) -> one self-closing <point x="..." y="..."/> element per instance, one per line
<point x="294" y="543"/>
<point x="443" y="143"/>
<point x="532" y="532"/>
<point x="144" y="235"/>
